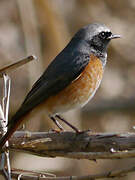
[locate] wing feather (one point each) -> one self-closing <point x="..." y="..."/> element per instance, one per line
<point x="58" y="75"/>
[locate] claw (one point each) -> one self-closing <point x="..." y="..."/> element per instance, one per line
<point x="55" y="130"/>
<point x="84" y="131"/>
<point x="67" y="123"/>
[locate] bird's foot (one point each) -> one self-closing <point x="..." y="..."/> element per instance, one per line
<point x="56" y="130"/>
<point x="57" y="123"/>
<point x="84" y="131"/>
<point x="67" y="123"/>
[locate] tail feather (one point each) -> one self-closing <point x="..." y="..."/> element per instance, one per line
<point x="13" y="124"/>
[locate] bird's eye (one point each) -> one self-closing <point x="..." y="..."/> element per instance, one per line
<point x="105" y="35"/>
<point x="102" y="35"/>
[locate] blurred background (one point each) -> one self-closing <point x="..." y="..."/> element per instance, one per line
<point x="43" y="28"/>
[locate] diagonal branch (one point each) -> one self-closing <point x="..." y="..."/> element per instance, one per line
<point x="17" y="64"/>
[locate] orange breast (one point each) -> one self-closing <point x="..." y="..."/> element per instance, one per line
<point x="80" y="91"/>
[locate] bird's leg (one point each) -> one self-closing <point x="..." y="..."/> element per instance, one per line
<point x="70" y="125"/>
<point x="57" y="123"/>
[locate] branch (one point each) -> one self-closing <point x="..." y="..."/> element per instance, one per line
<point x="71" y="145"/>
<point x="4" y="109"/>
<point x="12" y="66"/>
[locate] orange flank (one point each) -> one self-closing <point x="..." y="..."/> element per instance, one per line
<point x="80" y="91"/>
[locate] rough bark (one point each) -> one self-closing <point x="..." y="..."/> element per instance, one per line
<point x="87" y="145"/>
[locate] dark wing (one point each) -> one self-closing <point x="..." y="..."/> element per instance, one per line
<point x="59" y="74"/>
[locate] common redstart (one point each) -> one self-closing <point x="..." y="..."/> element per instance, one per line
<point x="70" y="80"/>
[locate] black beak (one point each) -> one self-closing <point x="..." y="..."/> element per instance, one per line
<point x="114" y="36"/>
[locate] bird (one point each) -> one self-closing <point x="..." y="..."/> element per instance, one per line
<point x="70" y="80"/>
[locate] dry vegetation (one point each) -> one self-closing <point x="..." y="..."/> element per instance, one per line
<point x="43" y="28"/>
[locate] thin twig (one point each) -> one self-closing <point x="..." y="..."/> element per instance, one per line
<point x="12" y="66"/>
<point x="4" y="109"/>
<point x="3" y="131"/>
<point x="6" y="96"/>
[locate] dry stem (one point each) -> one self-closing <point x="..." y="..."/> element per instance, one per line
<point x="4" y="109"/>
<point x="12" y="66"/>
